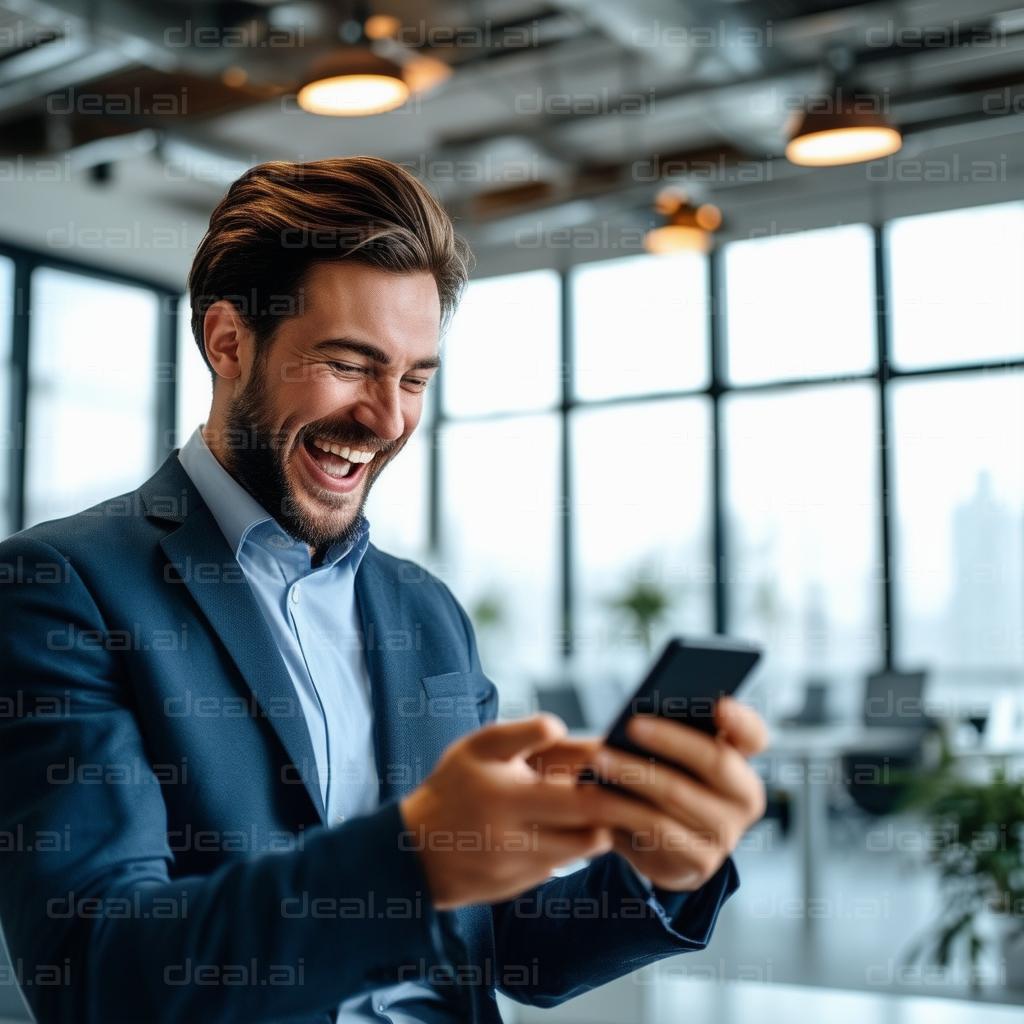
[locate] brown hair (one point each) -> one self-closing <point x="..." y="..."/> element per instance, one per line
<point x="280" y="218"/>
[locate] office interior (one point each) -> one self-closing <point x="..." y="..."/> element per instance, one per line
<point x="694" y="387"/>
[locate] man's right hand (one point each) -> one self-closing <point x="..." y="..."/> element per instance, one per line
<point x="487" y="826"/>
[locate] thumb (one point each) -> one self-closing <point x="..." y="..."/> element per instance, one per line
<point x="741" y="726"/>
<point x="522" y="738"/>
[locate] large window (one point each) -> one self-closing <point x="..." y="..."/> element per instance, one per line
<point x="957" y="443"/>
<point x="499" y="544"/>
<point x="956" y="287"/>
<point x="92" y="423"/>
<point x="641" y="522"/>
<point x="849" y="500"/>
<point x="194" y="383"/>
<point x="502" y="348"/>
<point x="959" y="518"/>
<point x="801" y="305"/>
<point x="804" y="555"/>
<point x="498" y="477"/>
<point x="637" y="506"/>
<point x="640" y="326"/>
<point x="87" y="381"/>
<point x="800" y="471"/>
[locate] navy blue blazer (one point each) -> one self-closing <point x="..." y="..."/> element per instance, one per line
<point x="164" y="850"/>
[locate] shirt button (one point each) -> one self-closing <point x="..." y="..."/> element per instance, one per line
<point x="279" y="540"/>
<point x="295" y="594"/>
<point x="381" y="1008"/>
<point x="339" y="819"/>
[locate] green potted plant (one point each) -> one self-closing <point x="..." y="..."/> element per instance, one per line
<point x="646" y="603"/>
<point x="977" y="843"/>
<point x="490" y="617"/>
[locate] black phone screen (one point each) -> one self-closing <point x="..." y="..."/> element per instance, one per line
<point x="684" y="684"/>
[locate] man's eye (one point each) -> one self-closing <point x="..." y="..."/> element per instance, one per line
<point x="346" y="368"/>
<point x="416" y="383"/>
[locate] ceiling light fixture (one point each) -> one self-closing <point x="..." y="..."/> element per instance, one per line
<point x="844" y="134"/>
<point x="353" y="82"/>
<point x="689" y="228"/>
<point x="374" y="74"/>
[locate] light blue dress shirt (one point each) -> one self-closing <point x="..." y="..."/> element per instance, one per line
<point x="314" y="618"/>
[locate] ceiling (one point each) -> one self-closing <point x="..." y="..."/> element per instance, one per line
<point x="557" y="115"/>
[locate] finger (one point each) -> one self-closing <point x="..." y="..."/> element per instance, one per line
<point x="573" y="755"/>
<point x="511" y="739"/>
<point x="616" y="811"/>
<point x="563" y="846"/>
<point x="715" y="761"/>
<point x="681" y="797"/>
<point x="554" y="800"/>
<point x="742" y="726"/>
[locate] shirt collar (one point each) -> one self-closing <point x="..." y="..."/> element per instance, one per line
<point x="239" y="515"/>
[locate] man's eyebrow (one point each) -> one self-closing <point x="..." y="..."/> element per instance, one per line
<point x="378" y="355"/>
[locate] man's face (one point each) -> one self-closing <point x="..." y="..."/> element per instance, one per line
<point x="336" y="397"/>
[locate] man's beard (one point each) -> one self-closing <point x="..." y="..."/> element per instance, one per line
<point x="258" y="463"/>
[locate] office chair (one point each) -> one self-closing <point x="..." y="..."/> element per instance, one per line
<point x="892" y="700"/>
<point x="815" y="709"/>
<point x="564" y="701"/>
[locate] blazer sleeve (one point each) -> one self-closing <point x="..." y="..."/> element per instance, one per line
<point x="600" y="923"/>
<point x="96" y="925"/>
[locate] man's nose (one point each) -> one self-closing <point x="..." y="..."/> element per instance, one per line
<point x="381" y="410"/>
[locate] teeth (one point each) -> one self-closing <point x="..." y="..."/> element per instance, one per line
<point x="337" y="471"/>
<point x="351" y="454"/>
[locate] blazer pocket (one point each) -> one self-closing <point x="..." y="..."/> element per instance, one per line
<point x="452" y="701"/>
<point x="451" y="684"/>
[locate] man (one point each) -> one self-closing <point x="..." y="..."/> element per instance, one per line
<point x="244" y="774"/>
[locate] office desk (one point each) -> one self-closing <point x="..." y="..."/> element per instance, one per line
<point x="816" y="751"/>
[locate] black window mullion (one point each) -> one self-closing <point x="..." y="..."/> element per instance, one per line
<point x="20" y="327"/>
<point x="883" y="341"/>
<point x="717" y="387"/>
<point x="566" y="497"/>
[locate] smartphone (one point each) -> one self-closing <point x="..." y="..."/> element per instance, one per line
<point x="684" y="684"/>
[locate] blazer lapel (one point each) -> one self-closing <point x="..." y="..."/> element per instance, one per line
<point x="200" y="554"/>
<point x="395" y="684"/>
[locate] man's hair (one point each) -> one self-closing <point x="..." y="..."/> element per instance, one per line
<point x="280" y="219"/>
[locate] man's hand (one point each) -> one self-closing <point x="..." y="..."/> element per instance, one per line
<point x="503" y="807"/>
<point x="680" y="837"/>
<point x="685" y="827"/>
<point x="488" y="826"/>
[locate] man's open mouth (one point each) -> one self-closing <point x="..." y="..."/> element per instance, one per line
<point x="336" y="460"/>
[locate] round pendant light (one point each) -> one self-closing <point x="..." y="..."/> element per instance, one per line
<point x="353" y="82"/>
<point x="689" y="228"/>
<point x="846" y="134"/>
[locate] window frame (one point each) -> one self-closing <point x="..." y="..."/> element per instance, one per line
<point x="717" y="386"/>
<point x="26" y="262"/>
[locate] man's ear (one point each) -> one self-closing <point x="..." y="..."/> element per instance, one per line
<point x="228" y="341"/>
